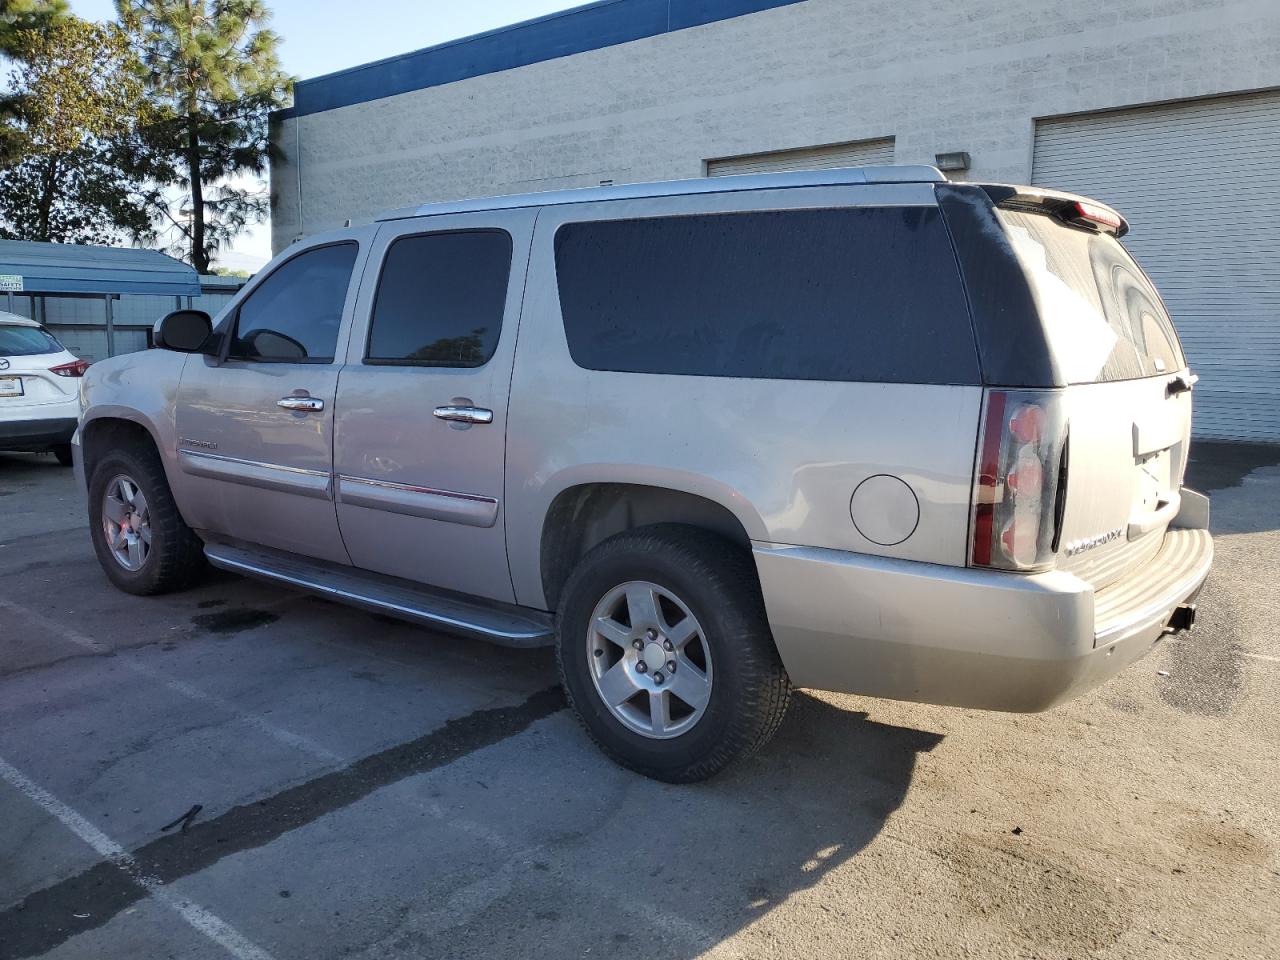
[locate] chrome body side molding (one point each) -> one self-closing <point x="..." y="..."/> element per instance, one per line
<point x="465" y="508"/>
<point x="255" y="473"/>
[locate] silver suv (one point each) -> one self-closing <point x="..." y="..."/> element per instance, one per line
<point x="860" y="430"/>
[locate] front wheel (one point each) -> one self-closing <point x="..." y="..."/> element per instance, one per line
<point x="141" y="540"/>
<point x="665" y="652"/>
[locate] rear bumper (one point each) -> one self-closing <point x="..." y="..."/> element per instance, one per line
<point x="962" y="637"/>
<point x="36" y="434"/>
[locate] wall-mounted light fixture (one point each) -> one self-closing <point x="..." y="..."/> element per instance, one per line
<point x="955" y="162"/>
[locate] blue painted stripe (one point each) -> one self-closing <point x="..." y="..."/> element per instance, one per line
<point x="592" y="27"/>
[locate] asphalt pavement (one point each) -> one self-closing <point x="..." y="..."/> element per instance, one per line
<point x="336" y="784"/>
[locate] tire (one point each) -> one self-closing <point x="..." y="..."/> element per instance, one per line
<point x="63" y="452"/>
<point x="694" y="573"/>
<point x="175" y="557"/>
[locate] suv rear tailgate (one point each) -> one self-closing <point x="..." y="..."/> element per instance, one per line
<point x="1127" y="401"/>
<point x="1126" y="457"/>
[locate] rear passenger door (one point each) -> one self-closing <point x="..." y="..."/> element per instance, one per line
<point x="422" y="407"/>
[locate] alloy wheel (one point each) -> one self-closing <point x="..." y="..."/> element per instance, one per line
<point x="649" y="660"/>
<point x="126" y="523"/>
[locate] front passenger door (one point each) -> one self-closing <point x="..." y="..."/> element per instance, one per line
<point x="255" y="429"/>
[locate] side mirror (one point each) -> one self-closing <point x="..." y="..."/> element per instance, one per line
<point x="186" y="331"/>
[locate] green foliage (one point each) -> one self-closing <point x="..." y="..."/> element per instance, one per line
<point x="76" y="81"/>
<point x="73" y="197"/>
<point x="73" y="93"/>
<point x="212" y="76"/>
<point x="19" y="17"/>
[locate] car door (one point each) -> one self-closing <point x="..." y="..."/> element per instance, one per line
<point x="422" y="406"/>
<point x="255" y="425"/>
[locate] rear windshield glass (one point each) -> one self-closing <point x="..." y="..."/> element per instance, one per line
<point x="26" y="342"/>
<point x="1103" y="318"/>
<point x="870" y="293"/>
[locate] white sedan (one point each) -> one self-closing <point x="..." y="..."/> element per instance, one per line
<point x="39" y="380"/>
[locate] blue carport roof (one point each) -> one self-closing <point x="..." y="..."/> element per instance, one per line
<point x="70" y="268"/>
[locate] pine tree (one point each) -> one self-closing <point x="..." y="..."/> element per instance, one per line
<point x="212" y="76"/>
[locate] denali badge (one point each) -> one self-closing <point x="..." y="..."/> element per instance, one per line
<point x="205" y="444"/>
<point x="1088" y="543"/>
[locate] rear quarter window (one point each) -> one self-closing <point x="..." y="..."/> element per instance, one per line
<point x="850" y="294"/>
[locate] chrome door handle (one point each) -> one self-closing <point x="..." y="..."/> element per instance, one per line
<point x="1181" y="384"/>
<point x="313" y="404"/>
<point x="464" y="414"/>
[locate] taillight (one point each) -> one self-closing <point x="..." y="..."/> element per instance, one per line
<point x="1015" y="486"/>
<point x="75" y="368"/>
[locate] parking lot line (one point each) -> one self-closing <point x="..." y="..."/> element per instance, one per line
<point x="209" y="924"/>
<point x="287" y="737"/>
<point x="254" y="824"/>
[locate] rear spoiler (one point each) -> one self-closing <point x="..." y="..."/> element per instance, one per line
<point x="1067" y="207"/>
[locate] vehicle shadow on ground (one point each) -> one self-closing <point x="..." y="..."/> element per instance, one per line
<point x="15" y="466"/>
<point x="724" y="854"/>
<point x="838" y="776"/>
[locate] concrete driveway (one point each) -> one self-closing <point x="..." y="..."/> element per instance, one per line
<point x="368" y="789"/>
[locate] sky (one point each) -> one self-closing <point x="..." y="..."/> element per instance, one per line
<point x="321" y="36"/>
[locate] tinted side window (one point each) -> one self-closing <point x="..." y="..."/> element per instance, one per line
<point x="440" y="299"/>
<point x="867" y="294"/>
<point x="294" y="314"/>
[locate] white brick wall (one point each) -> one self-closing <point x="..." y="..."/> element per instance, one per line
<point x="964" y="75"/>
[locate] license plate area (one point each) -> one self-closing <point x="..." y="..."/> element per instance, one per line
<point x="1155" y="482"/>
<point x="11" y="387"/>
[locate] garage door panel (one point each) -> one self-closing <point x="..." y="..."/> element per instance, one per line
<point x="1197" y="181"/>
<point x="860" y="153"/>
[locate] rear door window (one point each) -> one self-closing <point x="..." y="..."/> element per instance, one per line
<point x="1103" y="318"/>
<point x="853" y="294"/>
<point x="440" y="299"/>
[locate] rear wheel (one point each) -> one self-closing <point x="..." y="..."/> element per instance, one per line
<point x="141" y="541"/>
<point x="666" y="655"/>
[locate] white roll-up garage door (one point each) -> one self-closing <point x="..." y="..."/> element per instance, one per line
<point x="862" y="153"/>
<point x="1197" y="182"/>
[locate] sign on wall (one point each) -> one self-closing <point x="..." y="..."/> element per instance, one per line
<point x="10" y="282"/>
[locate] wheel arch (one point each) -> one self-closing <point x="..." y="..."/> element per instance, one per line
<point x="110" y="429"/>
<point x="587" y="513"/>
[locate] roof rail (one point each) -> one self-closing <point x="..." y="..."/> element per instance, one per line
<point x="839" y="176"/>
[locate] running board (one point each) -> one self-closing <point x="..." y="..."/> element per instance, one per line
<point x="502" y="624"/>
